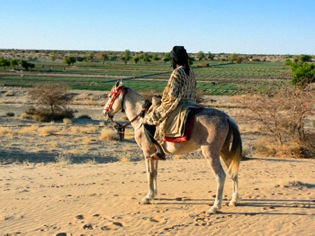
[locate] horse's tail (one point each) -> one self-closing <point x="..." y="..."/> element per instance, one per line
<point x="232" y="149"/>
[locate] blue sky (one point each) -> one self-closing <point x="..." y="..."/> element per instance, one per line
<point x="230" y="26"/>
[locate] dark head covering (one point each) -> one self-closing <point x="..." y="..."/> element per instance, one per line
<point x="180" y="57"/>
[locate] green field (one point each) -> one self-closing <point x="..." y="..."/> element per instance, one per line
<point x="220" y="78"/>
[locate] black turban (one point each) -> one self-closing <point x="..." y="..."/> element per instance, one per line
<point x="179" y="56"/>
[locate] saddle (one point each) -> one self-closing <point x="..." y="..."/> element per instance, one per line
<point x="185" y="126"/>
<point x="179" y="123"/>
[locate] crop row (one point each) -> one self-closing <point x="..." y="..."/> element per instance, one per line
<point x="213" y="79"/>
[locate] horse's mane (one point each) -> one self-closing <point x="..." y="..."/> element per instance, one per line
<point x="136" y="94"/>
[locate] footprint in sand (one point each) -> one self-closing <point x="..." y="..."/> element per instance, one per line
<point x="105" y="222"/>
<point x="88" y="227"/>
<point x="79" y="217"/>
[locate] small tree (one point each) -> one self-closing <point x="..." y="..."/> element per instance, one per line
<point x="14" y="63"/>
<point x="4" y="63"/>
<point x="127" y="56"/>
<point x="167" y="57"/>
<point x="305" y="58"/>
<point x="235" y="58"/>
<point x="136" y="59"/>
<point x="156" y="58"/>
<point x="31" y="65"/>
<point x="51" y="102"/>
<point x="200" y="55"/>
<point x="146" y="57"/>
<point x="211" y="56"/>
<point x="24" y="64"/>
<point x="104" y="57"/>
<point x="70" y="60"/>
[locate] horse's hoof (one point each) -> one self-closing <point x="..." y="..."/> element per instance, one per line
<point x="232" y="203"/>
<point x="145" y="201"/>
<point x="213" y="210"/>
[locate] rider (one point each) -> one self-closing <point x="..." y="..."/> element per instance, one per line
<point x="181" y="86"/>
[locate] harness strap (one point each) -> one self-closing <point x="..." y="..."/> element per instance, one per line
<point x="115" y="94"/>
<point x="121" y="127"/>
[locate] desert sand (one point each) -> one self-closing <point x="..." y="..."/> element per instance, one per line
<point x="278" y="198"/>
<point x="69" y="182"/>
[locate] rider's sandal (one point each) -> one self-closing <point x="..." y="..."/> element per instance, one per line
<point x="157" y="156"/>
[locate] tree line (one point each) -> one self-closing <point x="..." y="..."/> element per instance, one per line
<point x="14" y="63"/>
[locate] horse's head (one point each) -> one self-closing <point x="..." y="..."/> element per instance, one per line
<point x="115" y="99"/>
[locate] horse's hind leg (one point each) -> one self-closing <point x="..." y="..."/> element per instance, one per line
<point x="235" y="192"/>
<point x="151" y="169"/>
<point x="213" y="159"/>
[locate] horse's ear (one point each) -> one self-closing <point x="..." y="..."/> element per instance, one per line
<point x="118" y="83"/>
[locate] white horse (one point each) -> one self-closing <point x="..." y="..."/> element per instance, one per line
<point x="214" y="132"/>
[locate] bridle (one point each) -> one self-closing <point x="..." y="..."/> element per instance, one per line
<point x="114" y="95"/>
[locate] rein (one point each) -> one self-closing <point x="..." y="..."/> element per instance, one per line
<point x="118" y="126"/>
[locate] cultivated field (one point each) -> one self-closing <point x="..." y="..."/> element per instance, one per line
<point x="72" y="177"/>
<point x="214" y="77"/>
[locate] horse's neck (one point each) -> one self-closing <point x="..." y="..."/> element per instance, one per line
<point x="133" y="106"/>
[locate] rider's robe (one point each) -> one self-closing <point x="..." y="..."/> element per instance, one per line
<point x="180" y="88"/>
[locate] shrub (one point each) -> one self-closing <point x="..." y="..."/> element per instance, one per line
<point x="303" y="72"/>
<point x="10" y="114"/>
<point x="109" y="134"/>
<point x="283" y="117"/>
<point x="43" y="114"/>
<point x="51" y="103"/>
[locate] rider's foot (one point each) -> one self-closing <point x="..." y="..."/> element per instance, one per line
<point x="157" y="156"/>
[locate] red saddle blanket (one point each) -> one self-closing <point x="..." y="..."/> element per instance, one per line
<point x="188" y="127"/>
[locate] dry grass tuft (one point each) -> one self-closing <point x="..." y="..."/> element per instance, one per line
<point x="52" y="145"/>
<point x="84" y="130"/>
<point x="67" y="121"/>
<point x="74" y="151"/>
<point x="63" y="159"/>
<point x="4" y="131"/>
<point x="125" y="159"/>
<point x="46" y="131"/>
<point x="84" y="140"/>
<point x="75" y="130"/>
<point x="29" y="129"/>
<point x="89" y="129"/>
<point x="178" y="157"/>
<point x="109" y="134"/>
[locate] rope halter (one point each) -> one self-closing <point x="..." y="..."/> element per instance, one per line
<point x="114" y="94"/>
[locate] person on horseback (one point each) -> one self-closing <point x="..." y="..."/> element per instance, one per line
<point x="181" y="87"/>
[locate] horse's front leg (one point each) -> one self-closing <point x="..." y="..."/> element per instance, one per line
<point x="151" y="169"/>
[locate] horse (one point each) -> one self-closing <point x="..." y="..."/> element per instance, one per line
<point x="214" y="132"/>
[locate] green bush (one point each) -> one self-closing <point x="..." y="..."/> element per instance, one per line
<point x="303" y="72"/>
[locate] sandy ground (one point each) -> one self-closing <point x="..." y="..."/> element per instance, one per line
<point x="70" y="182"/>
<point x="103" y="199"/>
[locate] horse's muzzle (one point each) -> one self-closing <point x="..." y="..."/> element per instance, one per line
<point x="108" y="116"/>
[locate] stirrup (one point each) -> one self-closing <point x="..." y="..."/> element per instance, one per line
<point x="157" y="156"/>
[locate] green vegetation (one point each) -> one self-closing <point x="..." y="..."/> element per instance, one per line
<point x="143" y="71"/>
<point x="303" y="70"/>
